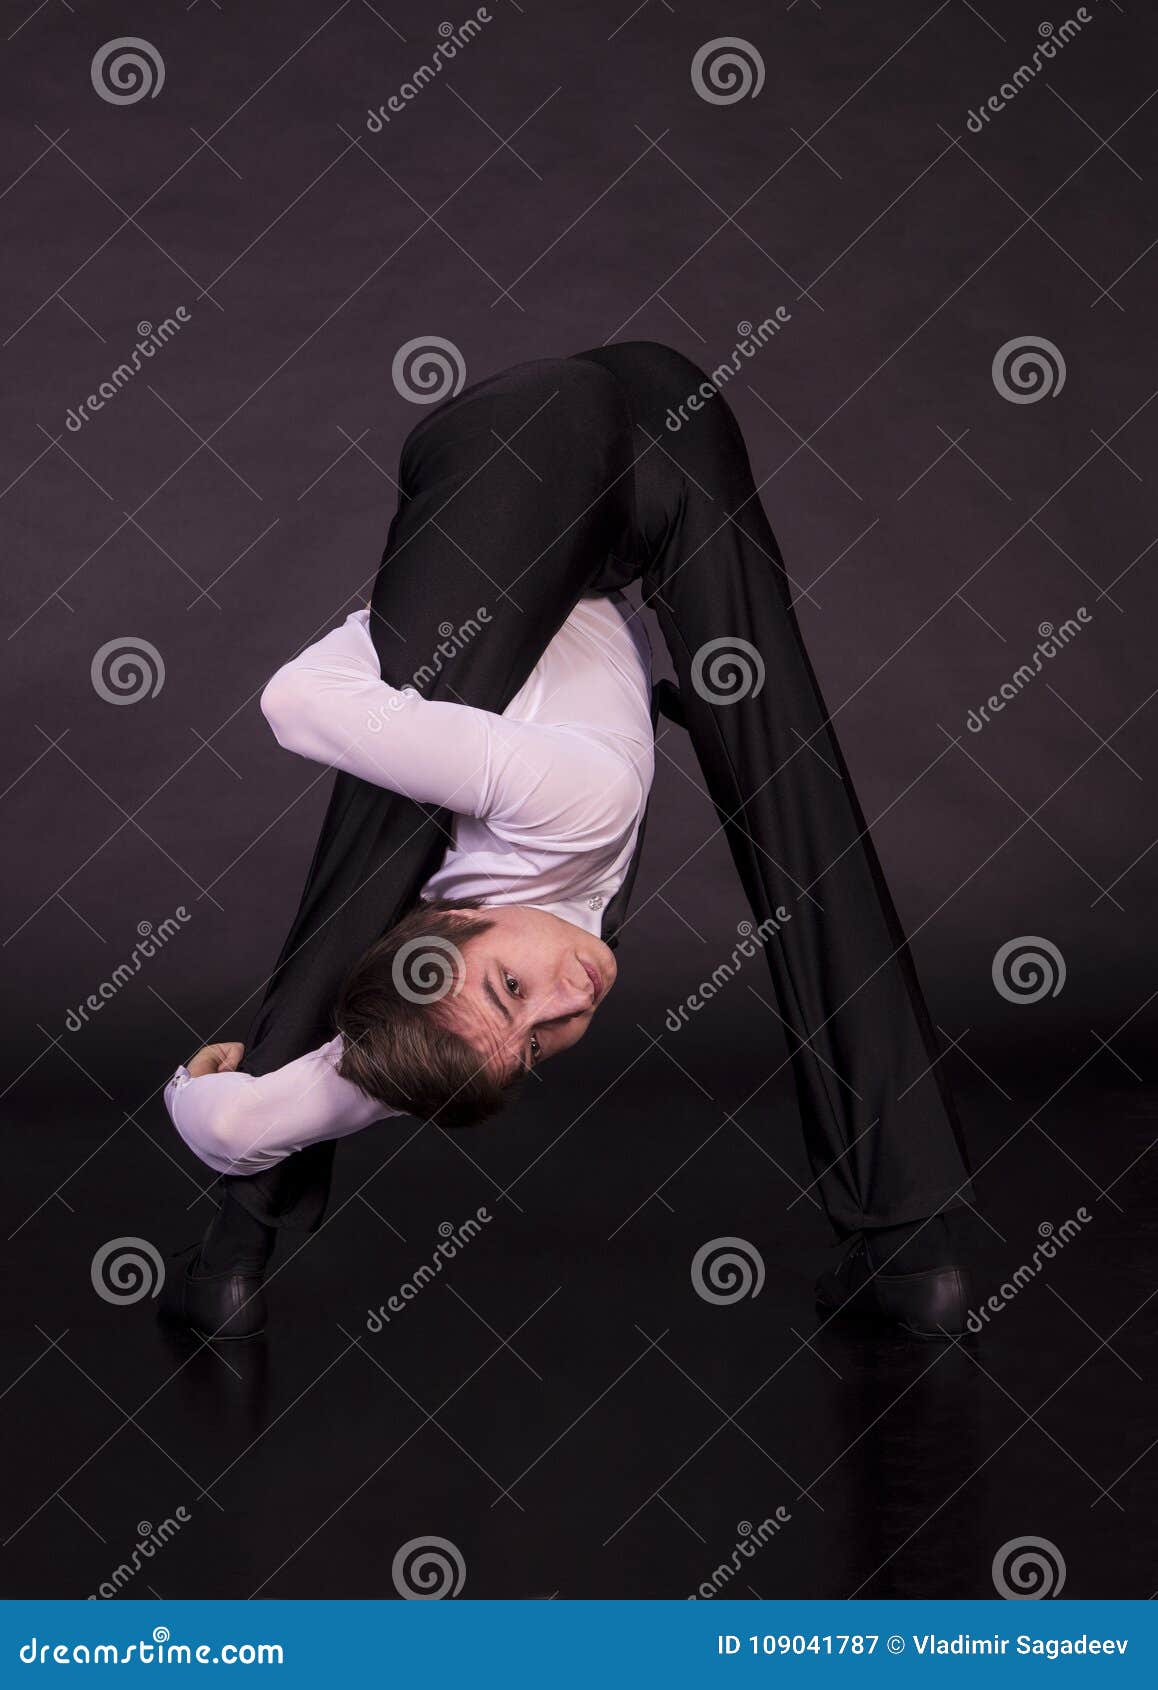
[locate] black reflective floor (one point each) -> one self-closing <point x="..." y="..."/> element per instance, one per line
<point x="558" y="1403"/>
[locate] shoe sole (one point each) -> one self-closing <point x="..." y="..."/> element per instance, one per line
<point x="224" y="1337"/>
<point x="170" y="1317"/>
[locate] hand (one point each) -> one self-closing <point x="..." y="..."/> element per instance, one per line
<point x="216" y="1059"/>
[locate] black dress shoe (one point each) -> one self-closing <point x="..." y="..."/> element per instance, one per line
<point x="931" y="1304"/>
<point x="216" y="1305"/>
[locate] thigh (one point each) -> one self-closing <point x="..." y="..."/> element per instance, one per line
<point x="512" y="499"/>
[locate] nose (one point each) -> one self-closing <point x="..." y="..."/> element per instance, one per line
<point x="569" y="997"/>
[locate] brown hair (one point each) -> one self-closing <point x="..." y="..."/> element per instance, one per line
<point x="392" y="1014"/>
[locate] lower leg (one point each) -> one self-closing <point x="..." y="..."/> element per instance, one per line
<point x="880" y="1124"/>
<point x="915" y="1248"/>
<point x="235" y="1239"/>
<point x="513" y="497"/>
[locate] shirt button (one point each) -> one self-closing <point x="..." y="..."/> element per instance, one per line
<point x="595" y="902"/>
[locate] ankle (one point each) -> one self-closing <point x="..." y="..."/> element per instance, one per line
<point x="236" y="1241"/>
<point x="914" y="1247"/>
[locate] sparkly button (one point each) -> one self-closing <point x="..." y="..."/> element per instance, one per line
<point x="595" y="902"/>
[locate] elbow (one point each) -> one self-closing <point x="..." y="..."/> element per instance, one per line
<point x="284" y="704"/>
<point x="223" y="1140"/>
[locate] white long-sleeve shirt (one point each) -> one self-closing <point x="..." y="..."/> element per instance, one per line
<point x="547" y="801"/>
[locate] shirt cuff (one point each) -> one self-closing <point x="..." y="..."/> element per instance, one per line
<point x="178" y="1078"/>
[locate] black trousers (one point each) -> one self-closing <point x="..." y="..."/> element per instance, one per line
<point x="556" y="478"/>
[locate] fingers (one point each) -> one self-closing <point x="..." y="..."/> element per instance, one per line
<point x="222" y="1058"/>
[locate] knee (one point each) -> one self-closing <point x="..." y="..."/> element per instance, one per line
<point x="667" y="370"/>
<point x="559" y="386"/>
<point x="571" y="408"/>
<point x="571" y="417"/>
<point x="589" y="396"/>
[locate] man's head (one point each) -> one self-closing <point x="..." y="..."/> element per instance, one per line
<point x="447" y="1012"/>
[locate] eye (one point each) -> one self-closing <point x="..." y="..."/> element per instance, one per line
<point x="511" y="984"/>
<point x="536" y="1047"/>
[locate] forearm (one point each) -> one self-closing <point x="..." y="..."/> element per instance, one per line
<point x="330" y="704"/>
<point x="242" y="1123"/>
<point x="527" y="780"/>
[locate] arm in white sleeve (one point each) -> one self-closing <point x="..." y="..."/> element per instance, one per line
<point x="528" y="780"/>
<point x="242" y="1123"/>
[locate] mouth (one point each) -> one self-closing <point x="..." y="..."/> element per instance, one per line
<point x="596" y="982"/>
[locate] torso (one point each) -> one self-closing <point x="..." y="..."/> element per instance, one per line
<point x="593" y="680"/>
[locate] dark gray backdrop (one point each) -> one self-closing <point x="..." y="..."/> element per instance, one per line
<point x="233" y="498"/>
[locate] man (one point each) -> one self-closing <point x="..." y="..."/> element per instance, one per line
<point x="507" y="791"/>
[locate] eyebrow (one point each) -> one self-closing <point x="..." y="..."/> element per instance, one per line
<point x="488" y="988"/>
<point x="495" y="998"/>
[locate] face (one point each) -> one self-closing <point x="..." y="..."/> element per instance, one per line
<point x="533" y="983"/>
